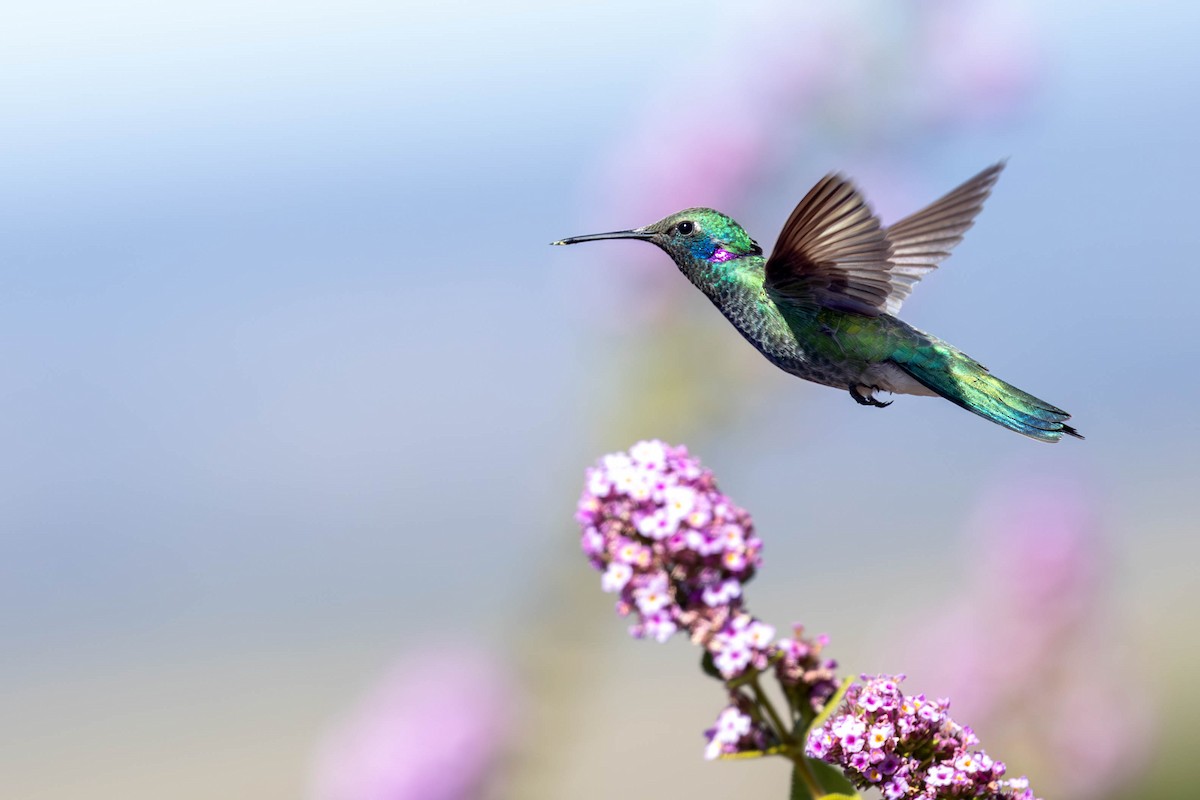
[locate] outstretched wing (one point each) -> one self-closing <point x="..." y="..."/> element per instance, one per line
<point x="832" y="253"/>
<point x="923" y="240"/>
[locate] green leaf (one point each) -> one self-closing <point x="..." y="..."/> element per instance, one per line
<point x="748" y="754"/>
<point x="826" y="777"/>
<point x="709" y="666"/>
<point x="799" y="787"/>
<point x="832" y="779"/>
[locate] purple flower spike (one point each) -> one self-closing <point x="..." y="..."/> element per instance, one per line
<point x="908" y="746"/>
<point x="676" y="550"/>
<point x="678" y="553"/>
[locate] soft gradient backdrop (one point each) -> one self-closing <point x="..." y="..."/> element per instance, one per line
<point x="292" y="389"/>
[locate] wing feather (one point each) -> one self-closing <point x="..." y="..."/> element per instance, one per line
<point x="832" y="252"/>
<point x="923" y="240"/>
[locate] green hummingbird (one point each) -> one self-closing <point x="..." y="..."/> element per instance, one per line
<point x="823" y="305"/>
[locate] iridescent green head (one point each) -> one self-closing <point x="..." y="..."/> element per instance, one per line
<point x="689" y="236"/>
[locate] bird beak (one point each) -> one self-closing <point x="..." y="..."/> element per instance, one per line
<point x="636" y="233"/>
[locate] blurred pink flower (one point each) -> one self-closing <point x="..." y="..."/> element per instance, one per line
<point x="981" y="61"/>
<point x="433" y="729"/>
<point x="1034" y="578"/>
<point x="1032" y="568"/>
<point x="863" y="89"/>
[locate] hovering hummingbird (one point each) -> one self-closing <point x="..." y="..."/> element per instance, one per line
<point x="822" y="306"/>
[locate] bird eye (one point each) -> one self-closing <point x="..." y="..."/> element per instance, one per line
<point x="685" y="227"/>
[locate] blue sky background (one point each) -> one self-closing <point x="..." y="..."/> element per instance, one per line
<point x="292" y="382"/>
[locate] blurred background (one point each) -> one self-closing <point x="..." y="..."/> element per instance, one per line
<point x="295" y="400"/>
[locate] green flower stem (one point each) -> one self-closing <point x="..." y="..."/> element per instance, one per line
<point x="804" y="783"/>
<point x="784" y="731"/>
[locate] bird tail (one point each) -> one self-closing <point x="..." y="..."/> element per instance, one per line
<point x="967" y="383"/>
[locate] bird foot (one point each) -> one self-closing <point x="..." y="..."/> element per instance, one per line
<point x="867" y="399"/>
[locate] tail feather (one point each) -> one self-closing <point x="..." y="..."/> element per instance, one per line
<point x="967" y="383"/>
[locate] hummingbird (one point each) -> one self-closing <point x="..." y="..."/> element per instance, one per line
<point x="823" y="305"/>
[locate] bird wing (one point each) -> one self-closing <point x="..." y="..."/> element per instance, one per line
<point x="921" y="241"/>
<point x="832" y="253"/>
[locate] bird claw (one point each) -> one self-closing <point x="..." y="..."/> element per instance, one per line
<point x="869" y="398"/>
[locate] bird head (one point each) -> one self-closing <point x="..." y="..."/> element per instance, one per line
<point x="688" y="236"/>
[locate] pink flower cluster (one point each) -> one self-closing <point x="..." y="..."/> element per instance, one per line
<point x="736" y="732"/>
<point x="676" y="552"/>
<point x="806" y="678"/>
<point x="908" y="747"/>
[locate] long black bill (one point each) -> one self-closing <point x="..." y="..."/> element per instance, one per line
<point x="595" y="237"/>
